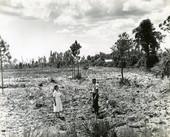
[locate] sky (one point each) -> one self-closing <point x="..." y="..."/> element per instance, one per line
<point x="33" y="28"/>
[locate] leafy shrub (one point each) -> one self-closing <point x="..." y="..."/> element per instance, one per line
<point x="162" y="68"/>
<point x="151" y="61"/>
<point x="102" y="128"/>
<point x="141" y="62"/>
<point x="109" y="64"/>
<point x="124" y="82"/>
<point x="112" y="102"/>
<point x="85" y="66"/>
<point x="99" y="62"/>
<point x="78" y="76"/>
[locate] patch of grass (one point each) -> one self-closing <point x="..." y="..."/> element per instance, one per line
<point x="124" y="81"/>
<point x="128" y="132"/>
<point x="72" y="132"/>
<point x="96" y="128"/>
<point x="161" y="133"/>
<point x="49" y="132"/>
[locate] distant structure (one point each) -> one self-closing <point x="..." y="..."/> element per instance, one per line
<point x="108" y="60"/>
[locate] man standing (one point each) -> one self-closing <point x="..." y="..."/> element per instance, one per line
<point x="95" y="88"/>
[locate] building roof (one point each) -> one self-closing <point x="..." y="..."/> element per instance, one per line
<point x="108" y="60"/>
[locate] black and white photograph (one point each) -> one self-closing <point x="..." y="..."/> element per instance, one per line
<point x="84" y="68"/>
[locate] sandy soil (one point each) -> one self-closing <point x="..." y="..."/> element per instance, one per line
<point x="144" y="100"/>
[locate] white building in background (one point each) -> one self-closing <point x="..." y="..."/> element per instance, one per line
<point x="108" y="60"/>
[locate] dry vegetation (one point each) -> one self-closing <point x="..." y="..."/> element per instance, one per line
<point x="141" y="108"/>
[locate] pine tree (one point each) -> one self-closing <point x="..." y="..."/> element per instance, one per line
<point x="75" y="48"/>
<point x="149" y="40"/>
<point x="4" y="57"/>
<point x="121" y="47"/>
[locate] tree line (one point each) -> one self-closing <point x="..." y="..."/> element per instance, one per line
<point x="143" y="50"/>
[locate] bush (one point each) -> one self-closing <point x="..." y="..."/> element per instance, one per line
<point x="141" y="62"/>
<point x="112" y="102"/>
<point x="99" y="62"/>
<point x="85" y="66"/>
<point x="124" y="82"/>
<point x="102" y="128"/>
<point x="109" y="64"/>
<point x="151" y="61"/>
<point x="162" y="68"/>
<point x="78" y="76"/>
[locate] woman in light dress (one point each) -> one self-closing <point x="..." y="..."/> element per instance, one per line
<point x="57" y="106"/>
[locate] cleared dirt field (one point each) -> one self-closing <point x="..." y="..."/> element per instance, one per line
<point x="143" y="102"/>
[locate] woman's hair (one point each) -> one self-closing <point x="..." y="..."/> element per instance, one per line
<point x="56" y="87"/>
<point x="94" y="81"/>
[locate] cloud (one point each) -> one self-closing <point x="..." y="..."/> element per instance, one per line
<point x="99" y="18"/>
<point x="11" y="13"/>
<point x="96" y="24"/>
<point x="67" y="17"/>
<point x="143" y="5"/>
<point x="110" y="30"/>
<point x="63" y="31"/>
<point x="62" y="12"/>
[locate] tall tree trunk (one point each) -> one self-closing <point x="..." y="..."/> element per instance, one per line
<point x="78" y="67"/>
<point x="122" y="73"/>
<point x="51" y="71"/>
<point x="74" y="70"/>
<point x="147" y="59"/>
